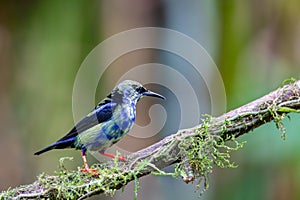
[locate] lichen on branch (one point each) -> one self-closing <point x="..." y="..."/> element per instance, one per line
<point x="194" y="152"/>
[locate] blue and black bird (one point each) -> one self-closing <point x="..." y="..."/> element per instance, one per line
<point x="111" y="119"/>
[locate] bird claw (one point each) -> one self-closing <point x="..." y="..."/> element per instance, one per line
<point x="122" y="158"/>
<point x="90" y="171"/>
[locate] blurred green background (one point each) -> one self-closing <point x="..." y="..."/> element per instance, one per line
<point x="255" y="44"/>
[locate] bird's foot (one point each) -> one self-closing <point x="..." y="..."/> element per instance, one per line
<point x="86" y="166"/>
<point x="120" y="158"/>
<point x="93" y="172"/>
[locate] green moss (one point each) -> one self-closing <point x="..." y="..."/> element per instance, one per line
<point x="70" y="184"/>
<point x="278" y="117"/>
<point x="288" y="81"/>
<point x="280" y="111"/>
<point x="201" y="153"/>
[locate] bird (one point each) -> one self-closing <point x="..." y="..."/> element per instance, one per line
<point x="106" y="124"/>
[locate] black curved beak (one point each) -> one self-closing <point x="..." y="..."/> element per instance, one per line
<point x="153" y="94"/>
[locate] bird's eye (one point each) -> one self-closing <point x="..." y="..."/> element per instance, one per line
<point x="140" y="89"/>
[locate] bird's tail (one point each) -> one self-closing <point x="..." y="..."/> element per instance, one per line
<point x="57" y="145"/>
<point x="52" y="146"/>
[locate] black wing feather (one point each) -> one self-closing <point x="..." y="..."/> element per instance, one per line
<point x="102" y="113"/>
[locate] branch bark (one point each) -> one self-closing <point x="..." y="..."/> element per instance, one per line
<point x="115" y="175"/>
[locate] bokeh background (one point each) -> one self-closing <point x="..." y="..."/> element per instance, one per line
<point x="255" y="44"/>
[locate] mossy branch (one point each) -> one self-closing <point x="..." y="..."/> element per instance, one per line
<point x="194" y="150"/>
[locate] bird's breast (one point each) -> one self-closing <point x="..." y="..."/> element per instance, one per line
<point x="124" y="117"/>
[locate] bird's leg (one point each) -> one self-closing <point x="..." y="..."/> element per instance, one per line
<point x="86" y="166"/>
<point x="120" y="158"/>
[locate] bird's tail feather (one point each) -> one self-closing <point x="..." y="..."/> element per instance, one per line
<point x="45" y="149"/>
<point x="57" y="145"/>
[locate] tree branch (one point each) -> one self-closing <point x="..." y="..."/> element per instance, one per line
<point x="194" y="151"/>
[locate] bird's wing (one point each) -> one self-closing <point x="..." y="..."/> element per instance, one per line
<point x="101" y="113"/>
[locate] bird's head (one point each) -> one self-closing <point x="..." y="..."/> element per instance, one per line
<point x="132" y="91"/>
